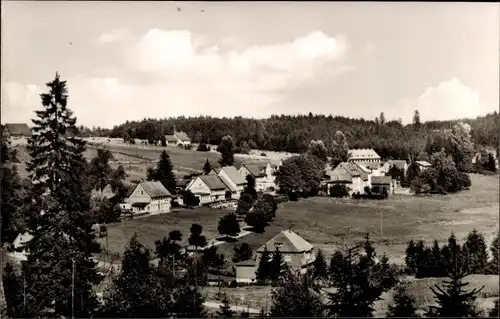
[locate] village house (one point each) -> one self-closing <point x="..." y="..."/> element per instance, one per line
<point x="17" y="133"/>
<point x="382" y="182"/>
<point x="366" y="157"/>
<point x="353" y="176"/>
<point x="263" y="173"/>
<point x="208" y="188"/>
<point x="178" y="138"/>
<point x="148" y="197"/>
<point x="423" y="165"/>
<point x="297" y="253"/>
<point x="233" y="180"/>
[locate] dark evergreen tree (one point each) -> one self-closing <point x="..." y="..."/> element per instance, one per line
<point x="189" y="303"/>
<point x="437" y="261"/>
<point x="225" y="308"/>
<point x="294" y="297"/>
<point x="453" y="299"/>
<point x="212" y="259"/>
<point x="278" y="267"/>
<point x="452" y="254"/>
<point x="229" y="225"/>
<point x="474" y="253"/>
<point x="416" y="119"/>
<point x="63" y="240"/>
<point x="403" y="305"/>
<point x="320" y="267"/>
<point x="242" y="252"/>
<point x="493" y="264"/>
<point x="386" y="274"/>
<point x="264" y="268"/>
<point x="14" y="293"/>
<point x="207" y="167"/>
<point x="226" y="149"/>
<point x="137" y="291"/>
<point x="164" y="173"/>
<point x="250" y="188"/>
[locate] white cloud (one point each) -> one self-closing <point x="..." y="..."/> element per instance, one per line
<point x="448" y="100"/>
<point x="187" y="74"/>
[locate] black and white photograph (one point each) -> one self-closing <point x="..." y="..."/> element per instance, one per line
<point x="220" y="159"/>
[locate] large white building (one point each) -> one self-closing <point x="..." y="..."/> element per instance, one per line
<point x="365" y="157"/>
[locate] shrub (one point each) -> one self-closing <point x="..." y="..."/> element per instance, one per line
<point x="263" y="154"/>
<point x="202" y="148"/>
<point x="293" y="196"/>
<point x="338" y="190"/>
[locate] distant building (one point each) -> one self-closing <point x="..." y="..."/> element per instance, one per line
<point x="297" y="253"/>
<point x="178" y="138"/>
<point x="366" y="157"/>
<point x="423" y="165"/>
<point x="233" y="180"/>
<point x="17" y="133"/>
<point x="19" y="252"/>
<point x="352" y="175"/>
<point x="383" y="182"/>
<point x="151" y="197"/>
<point x="263" y="172"/>
<point x="208" y="188"/>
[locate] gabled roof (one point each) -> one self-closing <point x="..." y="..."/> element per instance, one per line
<point x="234" y="175"/>
<point x="423" y="163"/>
<point x="355" y="170"/>
<point x="384" y="180"/>
<point x="182" y="136"/>
<point x="363" y="153"/>
<point x="213" y="182"/>
<point x="170" y="138"/>
<point x="17" y="129"/>
<point x="214" y="171"/>
<point x="227" y="183"/>
<point x="155" y="189"/>
<point x="288" y="241"/>
<point x="255" y="170"/>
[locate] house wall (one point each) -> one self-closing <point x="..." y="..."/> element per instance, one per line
<point x="200" y="189"/>
<point x="245" y="273"/>
<point x="159" y="205"/>
<point x="239" y="189"/>
<point x="371" y="163"/>
<point x="18" y="140"/>
<point x="357" y="185"/>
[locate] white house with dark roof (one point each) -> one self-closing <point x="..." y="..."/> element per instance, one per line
<point x="423" y="165"/>
<point x="350" y="174"/>
<point x="19" y="252"/>
<point x="365" y="157"/>
<point x="297" y="253"/>
<point x="400" y="164"/>
<point x="208" y="188"/>
<point x="17" y="133"/>
<point x="263" y="173"/>
<point x="233" y="180"/>
<point x="151" y="197"/>
<point x="178" y="138"/>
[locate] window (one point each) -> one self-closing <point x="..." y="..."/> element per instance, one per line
<point x="288" y="258"/>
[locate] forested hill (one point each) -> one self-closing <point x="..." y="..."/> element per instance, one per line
<point x="293" y="133"/>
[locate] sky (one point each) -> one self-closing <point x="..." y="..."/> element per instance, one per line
<point x="133" y="60"/>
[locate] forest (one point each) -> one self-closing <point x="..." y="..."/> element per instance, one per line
<point x="390" y="139"/>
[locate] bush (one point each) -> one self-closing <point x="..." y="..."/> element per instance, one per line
<point x="263" y="154"/>
<point x="293" y="196"/>
<point x="338" y="190"/>
<point x="203" y="148"/>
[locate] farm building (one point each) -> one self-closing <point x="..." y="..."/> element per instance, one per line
<point x="297" y="253"/>
<point x="178" y="138"/>
<point x="17" y="133"/>
<point x="383" y="182"/>
<point x="262" y="172"/>
<point x="355" y="177"/>
<point x="208" y="188"/>
<point x="423" y="165"/>
<point x="151" y="197"/>
<point x="233" y="180"/>
<point x="366" y="157"/>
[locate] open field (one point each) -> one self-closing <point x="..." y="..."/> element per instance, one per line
<point x="255" y="296"/>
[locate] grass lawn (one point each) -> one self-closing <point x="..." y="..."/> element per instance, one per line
<point x="152" y="228"/>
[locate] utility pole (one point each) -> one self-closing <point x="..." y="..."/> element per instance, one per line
<point x="24" y="292"/>
<point x="381" y="223"/>
<point x="73" y="291"/>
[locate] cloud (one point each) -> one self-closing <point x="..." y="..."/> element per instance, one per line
<point x="448" y="100"/>
<point x="175" y="72"/>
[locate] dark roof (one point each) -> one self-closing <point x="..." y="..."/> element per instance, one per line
<point x="155" y="189"/>
<point x="213" y="182"/>
<point x="17" y="129"/>
<point x="355" y="170"/>
<point x="234" y="175"/>
<point x="255" y="170"/>
<point x="182" y="136"/>
<point x="384" y="180"/>
<point x="170" y="138"/>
